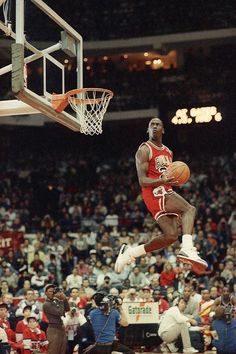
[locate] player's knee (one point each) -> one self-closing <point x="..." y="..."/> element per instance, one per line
<point x="172" y="236"/>
<point x="192" y="210"/>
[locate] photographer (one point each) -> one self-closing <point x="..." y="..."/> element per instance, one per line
<point x="224" y="326"/>
<point x="55" y="306"/>
<point x="105" y="318"/>
<point x="73" y="320"/>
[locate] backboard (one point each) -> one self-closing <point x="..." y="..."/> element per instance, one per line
<point x="39" y="69"/>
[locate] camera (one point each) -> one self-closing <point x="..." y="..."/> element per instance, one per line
<point x="57" y="290"/>
<point x="110" y="302"/>
<point x="73" y="310"/>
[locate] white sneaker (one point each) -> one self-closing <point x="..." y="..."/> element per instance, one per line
<point x="190" y="350"/>
<point x="172" y="348"/>
<point x="164" y="348"/>
<point x="191" y="256"/>
<point x="123" y="259"/>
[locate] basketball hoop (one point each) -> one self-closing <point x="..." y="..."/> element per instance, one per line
<point x="90" y="105"/>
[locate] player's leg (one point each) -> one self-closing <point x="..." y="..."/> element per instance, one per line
<point x="127" y="255"/>
<point x="188" y="253"/>
<point x="174" y="203"/>
<point x="169" y="227"/>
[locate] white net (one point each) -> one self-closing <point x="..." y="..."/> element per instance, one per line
<point x="90" y="106"/>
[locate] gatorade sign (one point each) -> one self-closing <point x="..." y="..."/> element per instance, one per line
<point x="141" y="312"/>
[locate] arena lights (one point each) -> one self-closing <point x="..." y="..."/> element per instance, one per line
<point x="157" y="61"/>
<point x="196" y="115"/>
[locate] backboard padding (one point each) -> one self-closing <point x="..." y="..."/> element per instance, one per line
<point x="32" y="99"/>
<point x="24" y="53"/>
<point x="45" y="107"/>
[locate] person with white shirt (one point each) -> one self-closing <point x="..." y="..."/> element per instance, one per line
<point x="194" y="294"/>
<point x="74" y="280"/>
<point x="173" y="324"/>
<point x="3" y="336"/>
<point x="72" y="321"/>
<point x="4" y="347"/>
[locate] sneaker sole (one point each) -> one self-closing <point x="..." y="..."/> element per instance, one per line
<point x="197" y="267"/>
<point x="122" y="249"/>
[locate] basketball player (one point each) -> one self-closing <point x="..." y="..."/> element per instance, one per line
<point x="152" y="160"/>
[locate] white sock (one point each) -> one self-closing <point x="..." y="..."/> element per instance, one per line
<point x="137" y="251"/>
<point x="187" y="241"/>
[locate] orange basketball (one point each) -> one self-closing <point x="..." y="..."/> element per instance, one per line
<point x="180" y="171"/>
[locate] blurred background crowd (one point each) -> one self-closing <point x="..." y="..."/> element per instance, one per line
<point x="75" y="210"/>
<point x="74" y="225"/>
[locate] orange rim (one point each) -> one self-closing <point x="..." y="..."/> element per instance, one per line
<point x="60" y="101"/>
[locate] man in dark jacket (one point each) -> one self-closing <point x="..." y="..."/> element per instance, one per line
<point x="54" y="308"/>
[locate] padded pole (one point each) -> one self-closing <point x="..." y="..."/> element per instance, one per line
<point x="20" y="21"/>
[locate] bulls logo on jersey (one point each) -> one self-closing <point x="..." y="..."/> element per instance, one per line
<point x="162" y="162"/>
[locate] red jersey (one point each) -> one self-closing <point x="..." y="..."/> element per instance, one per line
<point x="159" y="160"/>
<point x="5" y="324"/>
<point x="34" y="340"/>
<point x="20" y="327"/>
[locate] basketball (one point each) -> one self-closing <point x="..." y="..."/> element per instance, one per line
<point x="180" y="171"/>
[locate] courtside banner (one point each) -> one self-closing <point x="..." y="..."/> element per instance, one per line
<point x="10" y="240"/>
<point x="141" y="312"/>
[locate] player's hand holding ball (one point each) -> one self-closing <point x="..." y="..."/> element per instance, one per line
<point x="167" y="179"/>
<point x="177" y="174"/>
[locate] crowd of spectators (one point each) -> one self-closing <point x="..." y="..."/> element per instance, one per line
<point x="76" y="211"/>
<point x="194" y="84"/>
<point x="63" y="212"/>
<point x="105" y="20"/>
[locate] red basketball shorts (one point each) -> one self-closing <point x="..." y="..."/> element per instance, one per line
<point x="155" y="202"/>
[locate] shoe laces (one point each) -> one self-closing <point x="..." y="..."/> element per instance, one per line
<point x="195" y="250"/>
